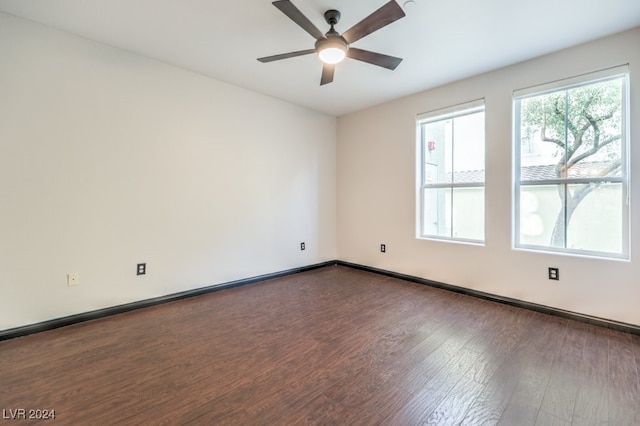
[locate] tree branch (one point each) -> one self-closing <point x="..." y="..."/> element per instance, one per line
<point x="579" y="139"/>
<point x="593" y="150"/>
<point x="602" y="118"/>
<point x="586" y="189"/>
<point x="597" y="144"/>
<point x="545" y="138"/>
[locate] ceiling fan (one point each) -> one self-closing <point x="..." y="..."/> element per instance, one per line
<point x="333" y="47"/>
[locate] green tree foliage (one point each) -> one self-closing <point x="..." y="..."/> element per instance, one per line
<point x="585" y="127"/>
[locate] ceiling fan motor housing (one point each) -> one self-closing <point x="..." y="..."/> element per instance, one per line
<point x="332" y="16"/>
<point x="332" y="39"/>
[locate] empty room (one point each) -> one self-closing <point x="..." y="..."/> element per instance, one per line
<point x="320" y="212"/>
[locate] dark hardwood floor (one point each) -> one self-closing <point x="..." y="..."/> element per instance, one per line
<point x="329" y="346"/>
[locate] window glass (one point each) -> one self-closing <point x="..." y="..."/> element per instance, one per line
<point x="451" y="173"/>
<point x="571" y="169"/>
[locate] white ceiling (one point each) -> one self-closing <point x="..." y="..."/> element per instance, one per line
<point x="440" y="40"/>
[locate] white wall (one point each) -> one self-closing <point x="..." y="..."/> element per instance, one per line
<point x="376" y="193"/>
<point x="108" y="159"/>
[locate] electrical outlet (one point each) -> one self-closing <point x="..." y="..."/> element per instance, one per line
<point x="302" y="246"/>
<point x="554" y="274"/>
<point x="73" y="279"/>
<point x="383" y="248"/>
<point x="141" y="269"/>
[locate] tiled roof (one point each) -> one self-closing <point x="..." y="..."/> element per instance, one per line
<point x="542" y="172"/>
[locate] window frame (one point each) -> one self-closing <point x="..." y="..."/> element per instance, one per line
<point x="624" y="179"/>
<point x="451" y="112"/>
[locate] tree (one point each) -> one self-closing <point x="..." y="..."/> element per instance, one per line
<point x="584" y="125"/>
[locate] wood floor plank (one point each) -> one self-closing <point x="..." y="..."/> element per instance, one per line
<point x="592" y="405"/>
<point x="538" y="359"/>
<point x="547" y="419"/>
<point x="562" y="390"/>
<point x="624" y="393"/>
<point x="434" y="379"/>
<point x="490" y="405"/>
<point x="330" y="346"/>
<point x="635" y="342"/>
<point x="453" y="408"/>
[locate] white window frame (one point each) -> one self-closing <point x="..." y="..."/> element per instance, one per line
<point x="624" y="180"/>
<point x="455" y="111"/>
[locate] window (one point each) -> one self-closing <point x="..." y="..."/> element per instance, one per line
<point x="571" y="184"/>
<point x="451" y="173"/>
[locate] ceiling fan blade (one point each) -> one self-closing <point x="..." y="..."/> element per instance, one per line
<point x="387" y="14"/>
<point x="327" y="73"/>
<point x="286" y="55"/>
<point x="385" y="61"/>
<point x="296" y="16"/>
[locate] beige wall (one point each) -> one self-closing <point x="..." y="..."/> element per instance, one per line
<point x="376" y="193"/>
<point x="108" y="159"/>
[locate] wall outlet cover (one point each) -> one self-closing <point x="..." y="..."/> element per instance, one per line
<point x="73" y="279"/>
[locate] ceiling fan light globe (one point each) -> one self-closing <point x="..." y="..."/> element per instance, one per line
<point x="332" y="54"/>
